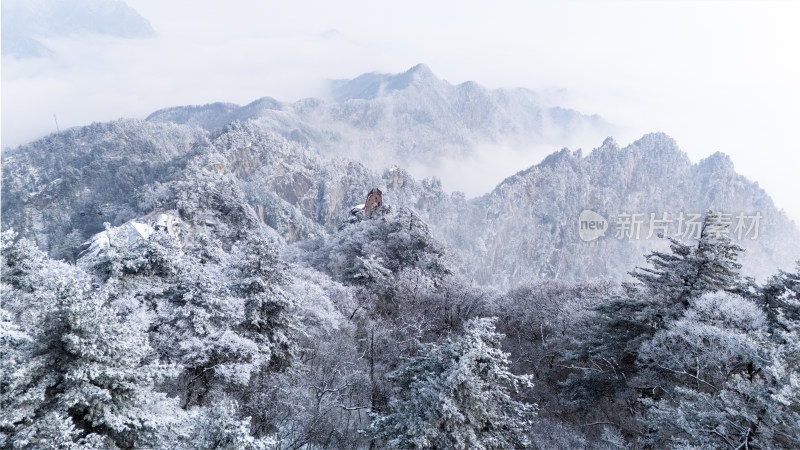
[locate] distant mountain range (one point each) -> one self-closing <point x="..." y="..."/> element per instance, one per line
<point x="301" y="167"/>
<point x="27" y="22"/>
<point x="407" y="118"/>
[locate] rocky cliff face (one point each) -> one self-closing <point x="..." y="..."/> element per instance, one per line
<point x="528" y="226"/>
<point x="71" y="183"/>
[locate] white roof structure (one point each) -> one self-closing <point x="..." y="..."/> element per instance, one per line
<point x="130" y="232"/>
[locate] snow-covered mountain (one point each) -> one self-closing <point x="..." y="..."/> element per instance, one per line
<point x="26" y="22"/>
<point x="216" y="291"/>
<point x="407" y="118"/>
<point x="528" y="226"/>
<point x="62" y="189"/>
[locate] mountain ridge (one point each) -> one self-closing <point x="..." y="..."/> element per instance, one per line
<point x="408" y="118"/>
<point x="372" y="85"/>
<point x="301" y="168"/>
<point x="525" y="228"/>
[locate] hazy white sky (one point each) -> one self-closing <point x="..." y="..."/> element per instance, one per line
<point x="716" y="76"/>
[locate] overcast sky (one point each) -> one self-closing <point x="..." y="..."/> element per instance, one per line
<point x="716" y="76"/>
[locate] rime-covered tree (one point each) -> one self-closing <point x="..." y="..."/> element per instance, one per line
<point x="457" y="395"/>
<point x="258" y="277"/>
<point x="322" y="399"/>
<point x="213" y="293"/>
<point x="605" y="355"/>
<point x="87" y="376"/>
<point x="689" y="270"/>
<point x="221" y="428"/>
<point x="391" y="242"/>
<point x="780" y="295"/>
<point x="539" y="320"/>
<point x="725" y="383"/>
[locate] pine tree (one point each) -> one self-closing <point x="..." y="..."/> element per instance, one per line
<point x="258" y="277"/>
<point x="605" y="355"/>
<point x="87" y="375"/>
<point x="781" y="296"/>
<point x="727" y="384"/>
<point x="456" y="395"/>
<point x="690" y="270"/>
<point x="220" y="428"/>
<point x="197" y="329"/>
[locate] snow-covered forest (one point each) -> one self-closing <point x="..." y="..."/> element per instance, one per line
<point x="373" y="337"/>
<point x="166" y="285"/>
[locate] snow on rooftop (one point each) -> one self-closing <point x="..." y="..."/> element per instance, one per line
<point x="131" y="232"/>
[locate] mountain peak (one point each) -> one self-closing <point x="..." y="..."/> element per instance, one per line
<point x="717" y="163"/>
<point x="373" y="85"/>
<point x="420" y="71"/>
<point x="652" y="149"/>
<point x="416" y="76"/>
<point x="657" y="141"/>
